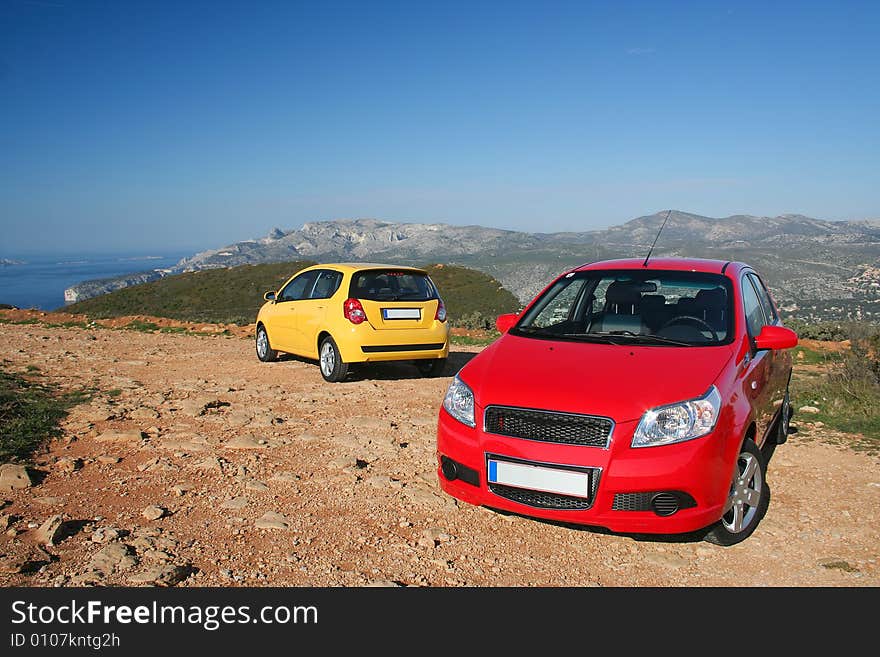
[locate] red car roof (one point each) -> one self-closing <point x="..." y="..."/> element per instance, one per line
<point x="667" y="264"/>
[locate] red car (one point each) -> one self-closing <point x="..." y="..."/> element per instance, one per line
<point x="627" y="395"/>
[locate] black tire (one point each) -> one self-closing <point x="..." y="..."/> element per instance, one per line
<point x="264" y="350"/>
<point x="433" y="367"/>
<point x="330" y="362"/>
<point x="783" y="427"/>
<point x="748" y="499"/>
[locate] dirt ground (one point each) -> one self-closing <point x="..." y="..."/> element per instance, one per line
<point x="196" y="465"/>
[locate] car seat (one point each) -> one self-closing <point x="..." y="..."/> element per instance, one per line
<point x="622" y="309"/>
<point x="710" y="305"/>
<point x="654" y="311"/>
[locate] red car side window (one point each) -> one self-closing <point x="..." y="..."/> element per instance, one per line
<point x="752" y="307"/>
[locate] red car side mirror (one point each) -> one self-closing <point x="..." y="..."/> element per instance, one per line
<point x="776" y="337"/>
<point x="506" y="321"/>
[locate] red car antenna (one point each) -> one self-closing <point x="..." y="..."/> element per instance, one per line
<point x="645" y="263"/>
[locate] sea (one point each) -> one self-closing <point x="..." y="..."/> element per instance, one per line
<point x="40" y="281"/>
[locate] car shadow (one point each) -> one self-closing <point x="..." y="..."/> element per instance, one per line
<point x="697" y="536"/>
<point x="693" y="537"/>
<point x="392" y="370"/>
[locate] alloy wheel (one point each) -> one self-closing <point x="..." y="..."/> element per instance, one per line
<point x="745" y="495"/>
<point x="328" y="359"/>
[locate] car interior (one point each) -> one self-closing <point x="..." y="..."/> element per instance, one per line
<point x="682" y="310"/>
<point x="628" y="308"/>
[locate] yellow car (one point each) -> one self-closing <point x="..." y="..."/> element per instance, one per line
<point x="341" y="314"/>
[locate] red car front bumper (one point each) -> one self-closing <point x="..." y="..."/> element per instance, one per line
<point x="697" y="473"/>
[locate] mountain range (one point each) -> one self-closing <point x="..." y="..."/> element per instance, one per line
<point x="817" y="269"/>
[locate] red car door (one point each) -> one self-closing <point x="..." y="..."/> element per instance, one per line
<point x="761" y="374"/>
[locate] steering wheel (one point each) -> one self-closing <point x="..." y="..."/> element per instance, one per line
<point x="690" y="318"/>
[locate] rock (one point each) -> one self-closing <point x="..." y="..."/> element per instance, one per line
<point x="13" y="475"/>
<point x="49" y="530"/>
<point x="235" y="503"/>
<point x="272" y="520"/>
<point x="666" y="560"/>
<point x="106" y="534"/>
<point x="68" y="464"/>
<point x="376" y="583"/>
<point x="379" y="481"/>
<point x="108" y="460"/>
<point x="365" y="422"/>
<point x="436" y="534"/>
<point x="184" y="442"/>
<point x="342" y="462"/>
<point x="256" y="486"/>
<point x="144" y="413"/>
<point x="210" y="463"/>
<point x="285" y="477"/>
<point x="153" y="512"/>
<point x="191" y="407"/>
<point x="12" y="565"/>
<point x="167" y="575"/>
<point x="5" y="522"/>
<point x="245" y="442"/>
<point x="182" y="488"/>
<point x="49" y="501"/>
<point x="112" y="435"/>
<point x="115" y="556"/>
<point x="808" y="409"/>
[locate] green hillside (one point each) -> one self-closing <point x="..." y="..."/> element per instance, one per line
<point x="471" y="296"/>
<point x="212" y="295"/>
<point x="235" y="294"/>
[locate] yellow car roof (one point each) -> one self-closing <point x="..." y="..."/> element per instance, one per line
<point x="360" y="266"/>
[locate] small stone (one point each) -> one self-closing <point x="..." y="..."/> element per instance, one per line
<point x="68" y="464"/>
<point x="245" y="442"/>
<point x="342" y="462"/>
<point x="285" y="477"/>
<point x="808" y="409"/>
<point x="666" y="560"/>
<point x="210" y="463"/>
<point x="113" y="556"/>
<point x="272" y="520"/>
<point x="13" y="475"/>
<point x="235" y="503"/>
<point x="256" y="486"/>
<point x="144" y="413"/>
<point x="168" y="575"/>
<point x="377" y="583"/>
<point x="105" y="534"/>
<point x="182" y="488"/>
<point x="153" y="512"/>
<point x="132" y="435"/>
<point x="49" y="530"/>
<point x="12" y="566"/>
<point x="49" y="501"/>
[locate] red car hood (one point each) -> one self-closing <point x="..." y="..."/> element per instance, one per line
<point x="620" y="382"/>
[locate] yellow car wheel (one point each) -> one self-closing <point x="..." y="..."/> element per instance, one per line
<point x="264" y="351"/>
<point x="330" y="361"/>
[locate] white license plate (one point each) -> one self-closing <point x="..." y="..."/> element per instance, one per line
<point x="401" y="313"/>
<point x="540" y="478"/>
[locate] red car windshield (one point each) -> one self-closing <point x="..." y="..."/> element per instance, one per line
<point x="647" y="307"/>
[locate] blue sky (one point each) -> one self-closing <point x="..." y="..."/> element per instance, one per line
<point x="139" y="126"/>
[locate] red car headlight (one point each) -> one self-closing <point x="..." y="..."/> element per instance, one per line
<point x="679" y="422"/>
